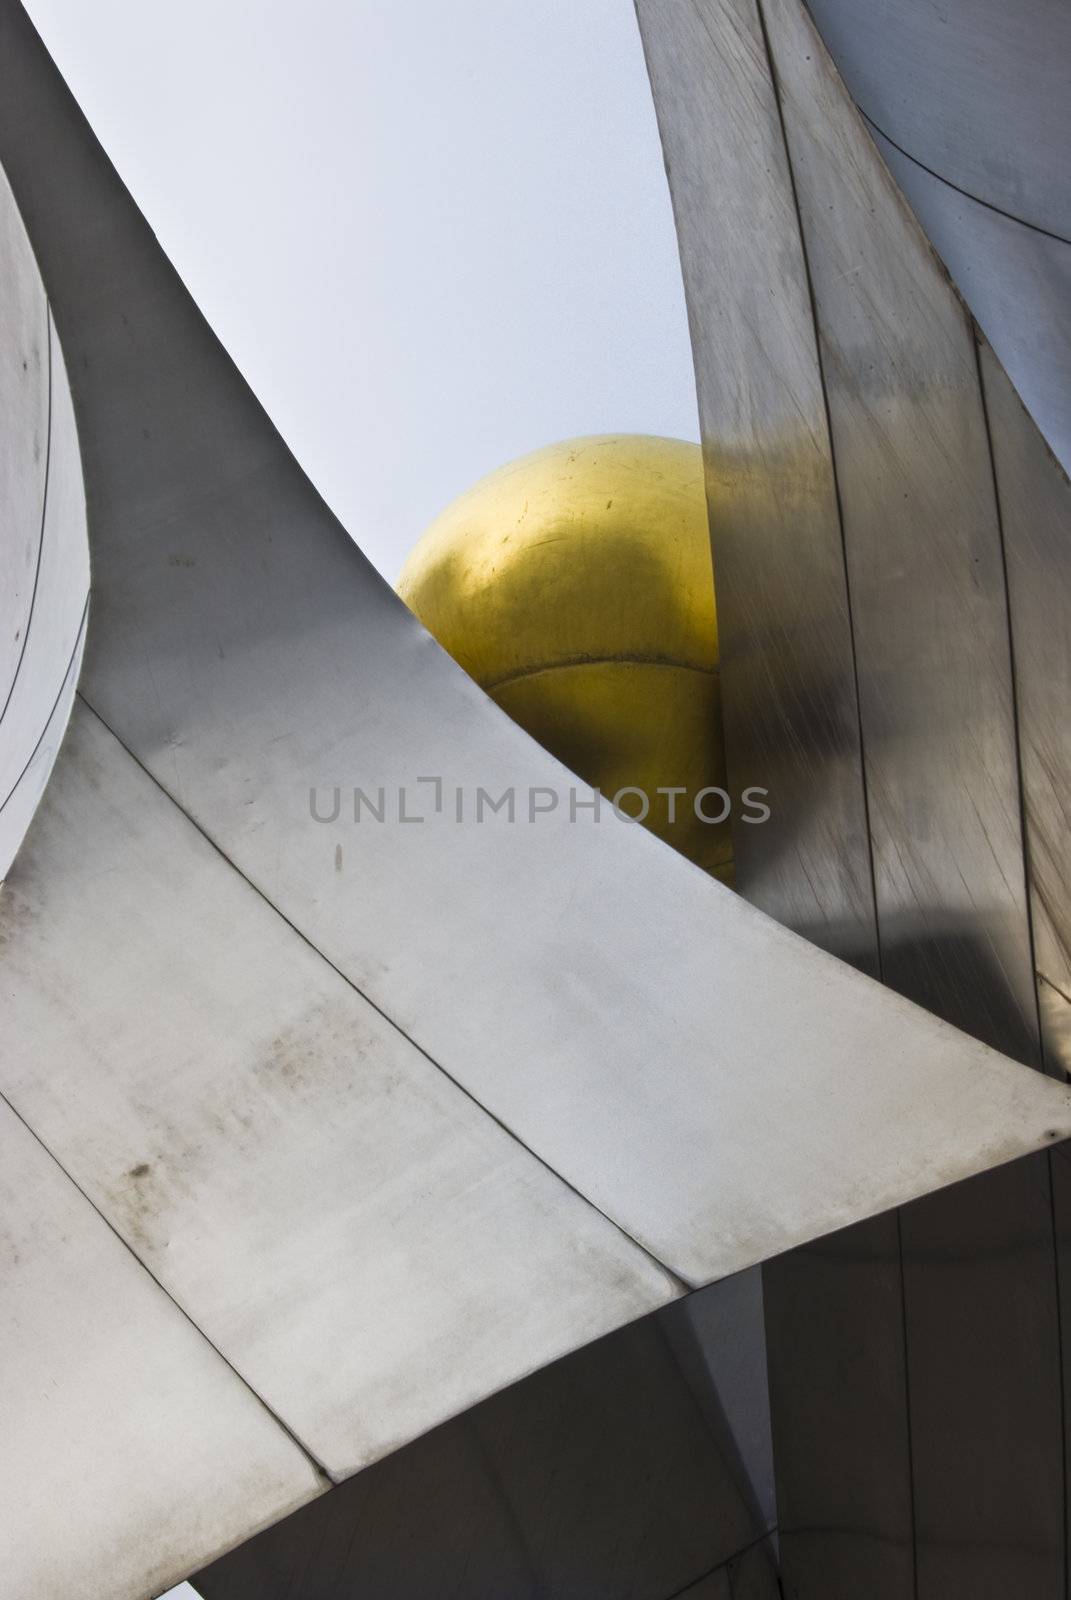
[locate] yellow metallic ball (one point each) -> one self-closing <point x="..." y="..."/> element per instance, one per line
<point x="575" y="586"/>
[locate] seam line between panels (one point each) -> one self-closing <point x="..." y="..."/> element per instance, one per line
<point x="679" y="1284"/>
<point x="322" y="1473"/>
<point x="1009" y="216"/>
<point x="723" y="1566"/>
<point x="738" y="1475"/>
<point x="44" y="508"/>
<point x="1024" y="836"/>
<point x="973" y="334"/>
<point x="816" y="328"/>
<point x="78" y="640"/>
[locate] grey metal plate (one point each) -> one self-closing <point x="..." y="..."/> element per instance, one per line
<point x="1018" y="284"/>
<point x="979" y="91"/>
<point x="45" y="553"/>
<point x="925" y="569"/>
<point x="929" y="612"/>
<point x="599" y="1479"/>
<point x="930" y="630"/>
<point x="1035" y="505"/>
<point x="791" y="720"/>
<point x="130" y="1447"/>
<point x="17" y="810"/>
<point x="306" y="1184"/>
<point x="24" y="384"/>
<point x="718" y="1087"/>
<point x="581" y="981"/>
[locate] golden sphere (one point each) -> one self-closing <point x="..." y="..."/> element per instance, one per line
<point x="575" y="586"/>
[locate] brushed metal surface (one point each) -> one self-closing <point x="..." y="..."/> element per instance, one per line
<point x="788" y="695"/>
<point x="979" y="91"/>
<point x="61" y="591"/>
<point x="928" y="610"/>
<point x="585" y="985"/>
<point x="44" y="555"/>
<point x="1035" y="505"/>
<point x="17" y="811"/>
<point x="1016" y="281"/>
<point x="24" y="381"/>
<point x="925" y="569"/>
<point x="933" y="661"/>
<point x="983" y="1341"/>
<point x="838" y="1403"/>
<point x="129" y="1444"/>
<point x="718" y="1341"/>
<point x="244" y="650"/>
<point x="788" y="673"/>
<point x="599" y="1479"/>
<point x="301" y="1179"/>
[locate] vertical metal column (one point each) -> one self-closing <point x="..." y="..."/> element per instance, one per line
<point x="928" y="649"/>
<point x="833" y="1310"/>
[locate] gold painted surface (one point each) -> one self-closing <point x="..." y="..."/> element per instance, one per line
<point x="575" y="586"/>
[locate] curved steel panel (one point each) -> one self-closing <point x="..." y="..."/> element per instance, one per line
<point x="128" y="1442"/>
<point x="243" y="650"/>
<point x="1035" y="503"/>
<point x="253" y="1121"/>
<point x="782" y="601"/>
<point x="925" y="562"/>
<point x="44" y="561"/>
<point x="934" y="667"/>
<point x="24" y="380"/>
<point x="17" y="811"/>
<point x="979" y="91"/>
<point x="62" y="588"/>
<point x="605" y="1478"/>
<point x="715" y="1086"/>
<point x="1018" y="284"/>
<point x="930" y="652"/>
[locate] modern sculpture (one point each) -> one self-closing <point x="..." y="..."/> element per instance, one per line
<point x="309" y="1147"/>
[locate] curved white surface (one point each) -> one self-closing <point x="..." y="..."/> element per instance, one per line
<point x="44" y="551"/>
<point x="24" y="375"/>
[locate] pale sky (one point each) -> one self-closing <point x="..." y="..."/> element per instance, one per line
<point x="432" y="235"/>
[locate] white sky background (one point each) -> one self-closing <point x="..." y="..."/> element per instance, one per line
<point x="433" y="235"/>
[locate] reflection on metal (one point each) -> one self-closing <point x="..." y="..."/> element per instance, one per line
<point x="1035" y="506"/>
<point x="44" y="566"/>
<point x="972" y="1502"/>
<point x="1017" y="282"/>
<point x="612" y="1474"/>
<point x="925" y="573"/>
<point x="396" y="1113"/>
<point x="575" y="586"/>
<point x="24" y="342"/>
<point x="790" y="713"/>
<point x="971" y="103"/>
<point x="791" y="720"/>
<point x="976" y="90"/>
